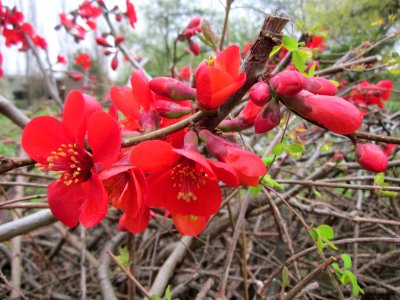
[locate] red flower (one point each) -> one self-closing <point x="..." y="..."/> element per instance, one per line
<point x="371" y="157"/>
<point x="83" y="60"/>
<point x="248" y="166"/>
<point x="194" y="47"/>
<point x="59" y="146"/>
<point x="181" y="181"/>
<point x="130" y="13"/>
<point x="219" y="78"/>
<point x="87" y="10"/>
<point x="66" y="22"/>
<point x="330" y="112"/>
<point x="126" y="187"/>
<point x="316" y="42"/>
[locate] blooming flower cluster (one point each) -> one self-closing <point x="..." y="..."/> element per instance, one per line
<point x="172" y="174"/>
<point x="17" y="32"/>
<point x="366" y="93"/>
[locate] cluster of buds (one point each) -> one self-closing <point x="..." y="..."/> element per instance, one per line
<point x="187" y="34"/>
<point x="365" y="93"/>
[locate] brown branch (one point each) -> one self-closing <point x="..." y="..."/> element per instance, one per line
<point x="295" y="257"/>
<point x="376" y="137"/>
<point x="344" y="66"/>
<point x="310" y="277"/>
<point x="13" y="113"/>
<point x="130" y="276"/>
<point x="226" y="19"/>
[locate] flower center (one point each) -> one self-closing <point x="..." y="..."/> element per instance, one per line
<point x="187" y="178"/>
<point x="210" y="61"/>
<point x="72" y="162"/>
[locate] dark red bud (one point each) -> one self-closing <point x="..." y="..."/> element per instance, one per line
<point x="260" y="93"/>
<point x="371" y="157"/>
<point x="268" y="118"/>
<point x="320" y="86"/>
<point x="287" y="83"/>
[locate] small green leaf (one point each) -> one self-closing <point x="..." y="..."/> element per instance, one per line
<point x="346" y="261"/>
<point x="313" y="29"/>
<point x="155" y="297"/>
<point x="295" y="148"/>
<point x="335" y="82"/>
<point x="168" y="293"/>
<point x="289" y="43"/>
<point x="317" y="194"/>
<point x="275" y="50"/>
<point x="268" y="160"/>
<point x="278" y="149"/>
<point x="329" y="243"/>
<point x="285" y="277"/>
<point x="379" y="178"/>
<point x="298" y="61"/>
<point x="255" y="190"/>
<point x="312" y="69"/>
<point x="272" y="183"/>
<point x="389" y="194"/>
<point x="123" y="256"/>
<point x="326" y="231"/>
<point x="305" y="53"/>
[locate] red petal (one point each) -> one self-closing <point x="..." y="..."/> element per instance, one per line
<point x="225" y="173"/>
<point x="104" y="138"/>
<point x="229" y="60"/>
<point x="141" y="91"/>
<point x="153" y="156"/>
<point x="203" y="84"/>
<point x="190" y="225"/>
<point x="245" y="161"/>
<point x="219" y="97"/>
<point x="77" y="109"/>
<point x="41" y="136"/>
<point x="65" y="202"/>
<point x="95" y="206"/>
<point x="163" y="194"/>
<point x="123" y="100"/>
<point x="137" y="224"/>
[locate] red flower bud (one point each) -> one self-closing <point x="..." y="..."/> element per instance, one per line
<point x="287" y="83"/>
<point x="114" y="62"/>
<point x="371" y="157"/>
<point x="234" y="125"/>
<point x="119" y="39"/>
<point x="330" y="112"/>
<point x="171" y="110"/>
<point x="101" y="41"/>
<point x="194" y="47"/>
<point x="320" y="86"/>
<point x="260" y="93"/>
<point x="172" y="88"/>
<point x="268" y="118"/>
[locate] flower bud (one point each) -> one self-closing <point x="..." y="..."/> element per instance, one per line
<point x="234" y="125"/>
<point x="260" y="93"/>
<point x="194" y="47"/>
<point x="287" y="83"/>
<point x="330" y="112"/>
<point x="101" y="41"/>
<point x="320" y="86"/>
<point x="268" y="118"/>
<point x="249" y="113"/>
<point x="172" y="88"/>
<point x="119" y="39"/>
<point x="171" y="110"/>
<point x="114" y="62"/>
<point x="371" y="157"/>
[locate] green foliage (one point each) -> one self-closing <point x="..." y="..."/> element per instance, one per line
<point x="345" y="275"/>
<point x="379" y="179"/>
<point x="272" y="183"/>
<point x="123" y="257"/>
<point x="167" y="295"/>
<point x="323" y="234"/>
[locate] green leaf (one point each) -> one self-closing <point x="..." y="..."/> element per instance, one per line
<point x="289" y="43"/>
<point x="335" y="83"/>
<point x="298" y="61"/>
<point x="123" y="256"/>
<point x="168" y="293"/>
<point x="329" y="243"/>
<point x="155" y="297"/>
<point x="389" y="193"/>
<point x="278" y="149"/>
<point x="255" y="190"/>
<point x="305" y="53"/>
<point x="275" y="50"/>
<point x="317" y="193"/>
<point x="312" y="69"/>
<point x="268" y="160"/>
<point x="272" y="183"/>
<point x="346" y="261"/>
<point x="326" y="231"/>
<point x="313" y="29"/>
<point x="295" y="148"/>
<point x="379" y="179"/>
<point x="285" y="277"/>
